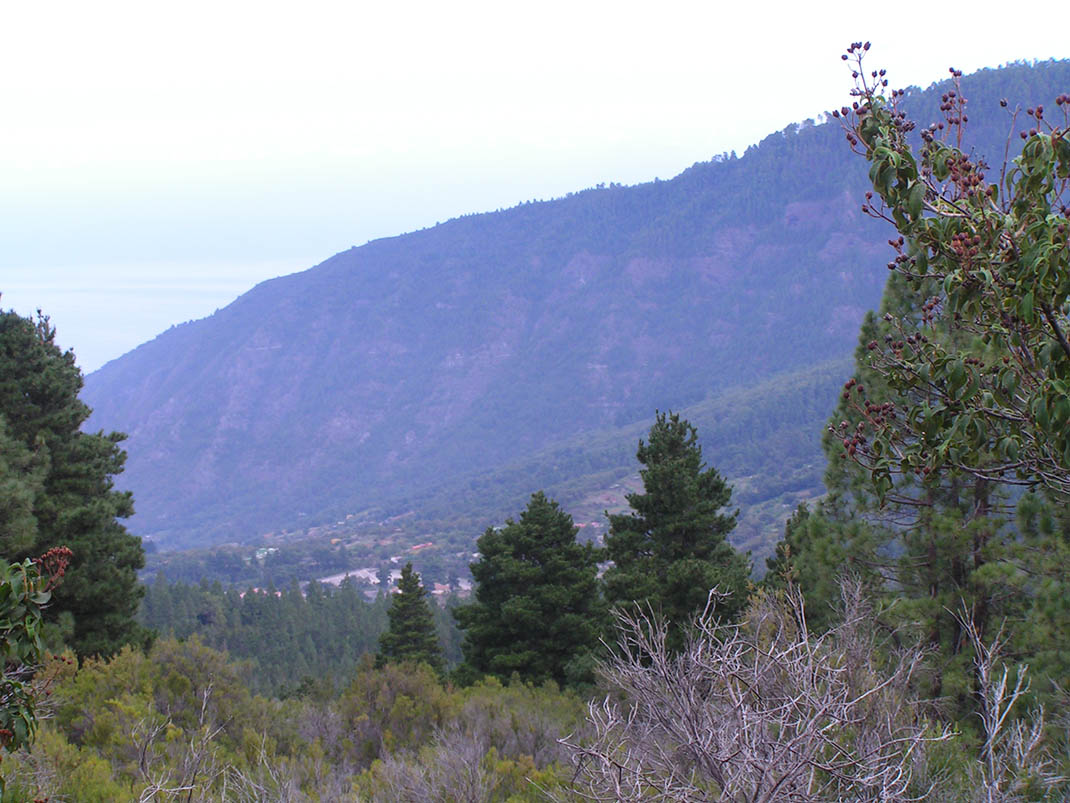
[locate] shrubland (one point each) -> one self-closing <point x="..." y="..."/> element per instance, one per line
<point x="179" y="723"/>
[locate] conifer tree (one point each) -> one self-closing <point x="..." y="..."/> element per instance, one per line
<point x="411" y="635"/>
<point x="66" y="496"/>
<point x="537" y="610"/>
<point x="933" y="544"/>
<point x="672" y="548"/>
<point x="21" y="476"/>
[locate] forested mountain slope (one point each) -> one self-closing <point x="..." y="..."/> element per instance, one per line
<point x="412" y="362"/>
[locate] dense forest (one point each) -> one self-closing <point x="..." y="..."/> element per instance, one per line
<point x="291" y="637"/>
<point x="909" y="638"/>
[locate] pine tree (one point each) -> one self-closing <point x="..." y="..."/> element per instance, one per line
<point x="21" y="476"/>
<point x="411" y="635"/>
<point x="672" y="548"/>
<point x="933" y="541"/>
<point x="815" y="555"/>
<point x="537" y="611"/>
<point x="70" y="476"/>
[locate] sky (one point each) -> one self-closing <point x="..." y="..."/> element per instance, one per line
<point x="160" y="159"/>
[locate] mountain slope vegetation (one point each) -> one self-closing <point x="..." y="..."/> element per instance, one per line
<point x="419" y="362"/>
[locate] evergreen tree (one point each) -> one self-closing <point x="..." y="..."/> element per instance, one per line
<point x="21" y="476"/>
<point x="1044" y="525"/>
<point x="672" y="548"/>
<point x="815" y="555"/>
<point x="537" y="611"/>
<point x="933" y="543"/>
<point x="411" y="635"/>
<point x="74" y="502"/>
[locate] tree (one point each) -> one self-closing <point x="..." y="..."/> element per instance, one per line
<point x="537" y="610"/>
<point x="815" y="555"/>
<point x="21" y="476"/>
<point x="66" y="496"/>
<point x="927" y="544"/>
<point x="411" y="635"/>
<point x="672" y="549"/>
<point x="993" y="400"/>
<point x="960" y="389"/>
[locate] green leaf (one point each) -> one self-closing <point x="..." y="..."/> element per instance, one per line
<point x="957" y="377"/>
<point x="1040" y="413"/>
<point x="1060" y="414"/>
<point x="917" y="197"/>
<point x="1025" y="307"/>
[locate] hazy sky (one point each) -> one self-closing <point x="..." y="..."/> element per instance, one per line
<point x="161" y="158"/>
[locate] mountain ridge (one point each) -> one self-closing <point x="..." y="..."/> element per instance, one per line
<point x="466" y="345"/>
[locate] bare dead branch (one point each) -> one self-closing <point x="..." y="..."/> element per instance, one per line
<point x="763" y="710"/>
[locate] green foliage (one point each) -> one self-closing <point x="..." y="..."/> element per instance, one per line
<point x="924" y="546"/>
<point x="21" y="478"/>
<point x="181" y="718"/>
<point x="297" y="641"/>
<point x="393" y="707"/>
<point x="920" y="478"/>
<point x="816" y="553"/>
<point x="1044" y="632"/>
<point x="493" y="743"/>
<point x="62" y="771"/>
<point x="56" y="488"/>
<point x="411" y="636"/>
<point x="25" y="589"/>
<point x="982" y="367"/>
<point x="673" y="549"/>
<point x="537" y="610"/>
<point x="962" y="387"/>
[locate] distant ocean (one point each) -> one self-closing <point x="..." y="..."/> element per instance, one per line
<point x="104" y="311"/>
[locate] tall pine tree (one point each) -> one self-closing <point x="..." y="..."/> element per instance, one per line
<point x="69" y="474"/>
<point x="537" y="610"/>
<point x="934" y="542"/>
<point x="672" y="548"/>
<point x="411" y="635"/>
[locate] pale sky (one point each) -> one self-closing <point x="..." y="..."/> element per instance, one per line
<point x="160" y="159"/>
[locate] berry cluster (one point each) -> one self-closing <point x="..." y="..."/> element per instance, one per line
<point x="967" y="176"/>
<point x="965" y="246"/>
<point x="54" y="564"/>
